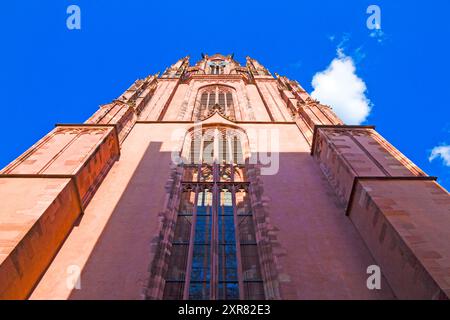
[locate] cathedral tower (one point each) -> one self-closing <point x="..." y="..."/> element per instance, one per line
<point x="216" y="180"/>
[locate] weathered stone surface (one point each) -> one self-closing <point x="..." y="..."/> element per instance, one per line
<point x="405" y="225"/>
<point x="80" y="151"/>
<point x="42" y="194"/>
<point x="307" y="247"/>
<point x="36" y="216"/>
<point x="346" y="152"/>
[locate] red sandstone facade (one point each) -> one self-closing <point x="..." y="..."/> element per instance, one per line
<point x="101" y="210"/>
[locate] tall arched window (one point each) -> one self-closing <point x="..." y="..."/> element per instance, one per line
<point x="215" y="96"/>
<point x="214" y="254"/>
<point x="215" y="145"/>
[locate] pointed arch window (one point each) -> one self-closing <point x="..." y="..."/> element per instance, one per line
<point x="215" y="145"/>
<point x="214" y="253"/>
<point x="218" y="96"/>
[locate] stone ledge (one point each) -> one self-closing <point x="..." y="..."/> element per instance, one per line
<point x="317" y="127"/>
<point x="44" y="192"/>
<point x="85" y="152"/>
<point x="382" y="178"/>
<point x="404" y="223"/>
<point x="347" y="152"/>
<point x="34" y="223"/>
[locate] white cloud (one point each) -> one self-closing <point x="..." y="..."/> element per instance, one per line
<point x="340" y="87"/>
<point x="442" y="152"/>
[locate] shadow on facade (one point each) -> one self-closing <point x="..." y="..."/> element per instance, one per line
<point x="117" y="266"/>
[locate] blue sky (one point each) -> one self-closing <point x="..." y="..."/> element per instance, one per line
<point x="50" y="74"/>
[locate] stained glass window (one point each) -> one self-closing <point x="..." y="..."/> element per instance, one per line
<point x="214" y="251"/>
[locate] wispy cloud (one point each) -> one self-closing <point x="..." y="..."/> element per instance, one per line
<point x="340" y="87"/>
<point x="442" y="152"/>
<point x="359" y="55"/>
<point x="344" y="40"/>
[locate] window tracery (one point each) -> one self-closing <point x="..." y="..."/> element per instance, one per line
<point x="214" y="251"/>
<point x="215" y="97"/>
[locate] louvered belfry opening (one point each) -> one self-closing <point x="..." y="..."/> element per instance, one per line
<point x="217" y="69"/>
<point x="214" y="252"/>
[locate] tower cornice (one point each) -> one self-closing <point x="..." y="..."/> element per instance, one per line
<point x="217" y="77"/>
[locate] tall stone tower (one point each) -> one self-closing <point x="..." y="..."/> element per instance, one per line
<point x="220" y="181"/>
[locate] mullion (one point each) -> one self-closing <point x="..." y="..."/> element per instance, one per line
<point x="191" y="242"/>
<point x="215" y="266"/>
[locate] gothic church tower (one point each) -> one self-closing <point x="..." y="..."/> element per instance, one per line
<point x="217" y="180"/>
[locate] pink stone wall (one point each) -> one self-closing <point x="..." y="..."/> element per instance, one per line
<point x="347" y="152"/>
<point x="319" y="253"/>
<point x="249" y="105"/>
<point x="117" y="169"/>
<point x="155" y="107"/>
<point x="114" y="242"/>
<point x="54" y="181"/>
<point x="330" y="261"/>
<point x="257" y="103"/>
<point x="277" y="107"/>
<point x="36" y="216"/>
<point x="84" y="152"/>
<point x="119" y="114"/>
<point x="179" y="102"/>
